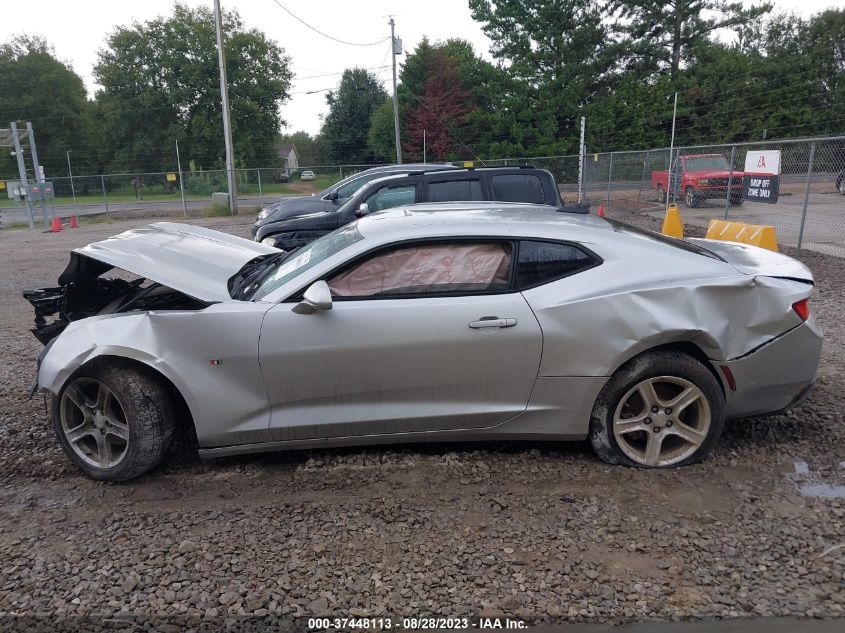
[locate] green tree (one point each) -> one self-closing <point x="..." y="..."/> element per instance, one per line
<point x="308" y="148"/>
<point x="346" y="127"/>
<point x="35" y="86"/>
<point x="381" y="138"/>
<point x="661" y="33"/>
<point x="558" y="55"/>
<point x="160" y="83"/>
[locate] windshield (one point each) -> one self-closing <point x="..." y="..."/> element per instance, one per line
<point x="348" y="189"/>
<point x="706" y="162"/>
<point x="306" y="257"/>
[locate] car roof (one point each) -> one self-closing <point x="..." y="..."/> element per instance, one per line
<point x="481" y="218"/>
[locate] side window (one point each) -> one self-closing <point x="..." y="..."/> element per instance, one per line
<point x="419" y="269"/>
<point x="542" y="262"/>
<point x="388" y="197"/>
<point x="518" y="188"/>
<point x="455" y="190"/>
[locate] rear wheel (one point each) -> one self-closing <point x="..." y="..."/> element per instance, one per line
<point x="736" y="199"/>
<point x="691" y="199"/>
<point x="661" y="194"/>
<point x="114" y="421"/>
<point x="658" y="410"/>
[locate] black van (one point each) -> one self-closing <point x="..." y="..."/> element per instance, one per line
<point x="504" y="184"/>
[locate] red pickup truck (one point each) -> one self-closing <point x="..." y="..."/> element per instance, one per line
<point x="699" y="177"/>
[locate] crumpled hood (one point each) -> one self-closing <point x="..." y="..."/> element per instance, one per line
<point x="191" y="259"/>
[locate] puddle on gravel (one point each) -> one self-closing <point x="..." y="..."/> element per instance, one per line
<point x="810" y="484"/>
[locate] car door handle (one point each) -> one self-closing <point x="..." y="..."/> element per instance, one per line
<point x="486" y="322"/>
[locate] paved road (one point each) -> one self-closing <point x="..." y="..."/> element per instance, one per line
<point x="824" y="229"/>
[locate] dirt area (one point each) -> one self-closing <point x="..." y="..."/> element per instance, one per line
<point x="539" y="532"/>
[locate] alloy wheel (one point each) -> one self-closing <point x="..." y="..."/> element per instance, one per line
<point x="661" y="421"/>
<point x="94" y="422"/>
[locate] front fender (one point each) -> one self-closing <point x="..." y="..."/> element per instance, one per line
<point x="210" y="356"/>
<point x="88" y="339"/>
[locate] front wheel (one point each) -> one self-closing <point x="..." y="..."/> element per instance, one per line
<point x="658" y="410"/>
<point x="661" y="194"/>
<point x="736" y="199"/>
<point x="691" y="199"/>
<point x="114" y="421"/>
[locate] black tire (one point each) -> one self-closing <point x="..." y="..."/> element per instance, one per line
<point x="149" y="415"/>
<point x="736" y="200"/>
<point x="661" y="194"/>
<point x="692" y="201"/>
<point x="649" y="365"/>
<point x="840" y="185"/>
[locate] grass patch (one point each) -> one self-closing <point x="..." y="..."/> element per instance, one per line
<point x="15" y="225"/>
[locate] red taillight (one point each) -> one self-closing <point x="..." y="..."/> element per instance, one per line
<point x="802" y="309"/>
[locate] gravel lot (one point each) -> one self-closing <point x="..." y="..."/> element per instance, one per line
<point x="541" y="532"/>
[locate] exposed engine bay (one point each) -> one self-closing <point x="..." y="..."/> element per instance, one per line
<point x="83" y="293"/>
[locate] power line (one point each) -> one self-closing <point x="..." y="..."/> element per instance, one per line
<point x="326" y="35"/>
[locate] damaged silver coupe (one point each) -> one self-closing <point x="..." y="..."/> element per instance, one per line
<point x="430" y="323"/>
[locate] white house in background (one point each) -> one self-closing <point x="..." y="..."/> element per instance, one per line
<point x="287" y="152"/>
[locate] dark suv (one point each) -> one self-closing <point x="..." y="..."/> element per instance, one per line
<point x="504" y="184"/>
<point x="327" y="201"/>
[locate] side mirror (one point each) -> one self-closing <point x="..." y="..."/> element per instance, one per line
<point x="332" y="195"/>
<point x="317" y="297"/>
<point x="363" y="210"/>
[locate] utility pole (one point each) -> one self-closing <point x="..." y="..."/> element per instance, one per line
<point x="227" y="124"/>
<point x="395" y="102"/>
<point x="37" y="169"/>
<point x="671" y="149"/>
<point x="22" y="172"/>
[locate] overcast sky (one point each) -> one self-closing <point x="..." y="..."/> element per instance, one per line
<point x="78" y="28"/>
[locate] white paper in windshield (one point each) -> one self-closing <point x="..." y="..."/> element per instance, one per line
<point x="296" y="262"/>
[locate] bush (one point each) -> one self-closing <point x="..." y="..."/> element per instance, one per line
<point x="205" y="184"/>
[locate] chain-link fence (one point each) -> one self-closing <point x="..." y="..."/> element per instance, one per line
<point x="809" y="211"/>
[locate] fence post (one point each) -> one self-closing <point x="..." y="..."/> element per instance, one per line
<point x="806" y="194"/>
<point x="181" y="180"/>
<point x="341" y="172"/>
<point x="258" y="171"/>
<point x="730" y="181"/>
<point x="642" y="181"/>
<point x="105" y="197"/>
<point x="609" y="177"/>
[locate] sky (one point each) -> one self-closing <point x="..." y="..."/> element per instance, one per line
<point x="78" y="29"/>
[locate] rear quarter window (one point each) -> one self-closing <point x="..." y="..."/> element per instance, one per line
<point x="541" y="262"/>
<point x="518" y="188"/>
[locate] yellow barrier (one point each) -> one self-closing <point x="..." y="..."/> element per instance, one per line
<point x="754" y="234"/>
<point x="673" y="225"/>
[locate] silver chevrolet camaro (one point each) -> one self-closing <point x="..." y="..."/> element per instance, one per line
<point x="448" y="321"/>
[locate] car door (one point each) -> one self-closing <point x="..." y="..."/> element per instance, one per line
<point x="421" y="337"/>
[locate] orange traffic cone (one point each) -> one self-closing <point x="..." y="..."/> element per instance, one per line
<point x="601" y="211"/>
<point x="57" y="225"/>
<point x="74" y="223"/>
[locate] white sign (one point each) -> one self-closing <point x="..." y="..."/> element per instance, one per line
<point x="764" y="162"/>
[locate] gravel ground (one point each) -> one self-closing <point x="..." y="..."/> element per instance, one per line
<point x="540" y="532"/>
